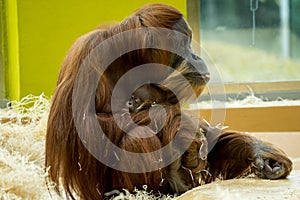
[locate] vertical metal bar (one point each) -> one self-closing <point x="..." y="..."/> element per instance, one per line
<point x="253" y="9"/>
<point x="285" y="28"/>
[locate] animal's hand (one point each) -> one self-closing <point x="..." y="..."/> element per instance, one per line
<point x="270" y="162"/>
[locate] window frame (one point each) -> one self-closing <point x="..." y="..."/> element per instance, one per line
<point x="2" y="72"/>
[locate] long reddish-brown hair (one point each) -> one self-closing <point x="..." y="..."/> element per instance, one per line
<point x="71" y="164"/>
<point x="77" y="171"/>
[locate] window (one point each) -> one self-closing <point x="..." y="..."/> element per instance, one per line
<point x="255" y="45"/>
<point x="252" y="40"/>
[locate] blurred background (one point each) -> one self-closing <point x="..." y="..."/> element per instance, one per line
<point x="252" y="40"/>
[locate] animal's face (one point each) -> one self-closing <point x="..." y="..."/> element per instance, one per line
<point x="190" y="65"/>
<point x="185" y="74"/>
<point x="190" y="73"/>
<point x="147" y="96"/>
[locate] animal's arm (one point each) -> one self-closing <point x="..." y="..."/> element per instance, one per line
<point x="236" y="154"/>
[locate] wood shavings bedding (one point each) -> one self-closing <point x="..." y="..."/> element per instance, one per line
<point x="22" y="149"/>
<point x="249" y="101"/>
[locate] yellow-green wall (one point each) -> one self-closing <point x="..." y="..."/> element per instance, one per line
<point x="39" y="33"/>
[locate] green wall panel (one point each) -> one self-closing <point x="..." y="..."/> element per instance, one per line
<point x="44" y="30"/>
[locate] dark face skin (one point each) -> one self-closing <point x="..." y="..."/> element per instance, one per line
<point x="197" y="69"/>
<point x="146" y="96"/>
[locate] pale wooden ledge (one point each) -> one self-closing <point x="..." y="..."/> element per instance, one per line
<point x="247" y="188"/>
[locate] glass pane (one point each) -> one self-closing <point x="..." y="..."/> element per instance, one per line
<point x="252" y="40"/>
